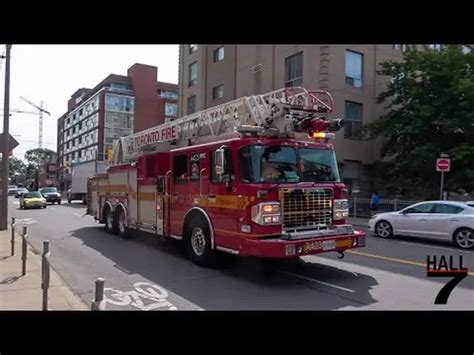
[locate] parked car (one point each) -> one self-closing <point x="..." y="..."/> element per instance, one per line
<point x="20" y="191"/>
<point x="51" y="194"/>
<point x="12" y="189"/>
<point x="32" y="200"/>
<point x="443" y="220"/>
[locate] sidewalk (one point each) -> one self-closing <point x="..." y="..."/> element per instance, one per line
<point x="359" y="222"/>
<point x="19" y="292"/>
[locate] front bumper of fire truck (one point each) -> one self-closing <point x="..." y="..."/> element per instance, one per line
<point x="337" y="239"/>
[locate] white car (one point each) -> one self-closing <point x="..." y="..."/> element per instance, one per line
<point x="442" y="220"/>
<point x="470" y="203"/>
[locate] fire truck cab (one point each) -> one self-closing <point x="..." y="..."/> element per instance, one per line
<point x="272" y="196"/>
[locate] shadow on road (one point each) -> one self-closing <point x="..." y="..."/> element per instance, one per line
<point x="9" y="280"/>
<point x="246" y="284"/>
<point x="74" y="204"/>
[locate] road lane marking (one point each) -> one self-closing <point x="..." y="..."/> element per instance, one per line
<point x="25" y="220"/>
<point x="54" y="209"/>
<point x="436" y="247"/>
<point x="77" y="214"/>
<point x="15" y="202"/>
<point x="154" y="293"/>
<point x="317" y="281"/>
<point x="401" y="261"/>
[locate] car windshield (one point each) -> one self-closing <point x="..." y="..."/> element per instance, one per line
<point x="32" y="195"/>
<point x="48" y="189"/>
<point x="276" y="163"/>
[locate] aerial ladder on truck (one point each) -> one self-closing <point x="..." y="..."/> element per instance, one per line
<point x="284" y="112"/>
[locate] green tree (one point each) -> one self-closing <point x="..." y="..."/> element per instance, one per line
<point x="38" y="156"/>
<point x="430" y="111"/>
<point x="17" y="167"/>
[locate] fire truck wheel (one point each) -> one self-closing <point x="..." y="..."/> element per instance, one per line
<point x="198" y="243"/>
<point x="109" y="221"/>
<point x="121" y="224"/>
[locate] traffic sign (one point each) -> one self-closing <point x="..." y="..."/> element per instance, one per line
<point x="443" y="164"/>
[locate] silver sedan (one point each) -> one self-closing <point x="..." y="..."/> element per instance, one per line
<point x="442" y="220"/>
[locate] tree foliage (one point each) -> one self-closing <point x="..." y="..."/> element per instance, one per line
<point x="430" y="111"/>
<point x="38" y="156"/>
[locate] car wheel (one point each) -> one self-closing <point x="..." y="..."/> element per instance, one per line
<point x="46" y="205"/>
<point x="383" y="229"/>
<point x="464" y="238"/>
<point x="59" y="202"/>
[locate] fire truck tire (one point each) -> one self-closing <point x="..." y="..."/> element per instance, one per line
<point x="198" y="243"/>
<point x="110" y="226"/>
<point x="121" y="224"/>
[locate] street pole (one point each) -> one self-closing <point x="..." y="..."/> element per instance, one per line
<point x="441" y="186"/>
<point x="5" y="147"/>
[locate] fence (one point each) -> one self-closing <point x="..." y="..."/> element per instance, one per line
<point x="360" y="207"/>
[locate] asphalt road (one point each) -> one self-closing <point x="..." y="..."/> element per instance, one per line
<point x="146" y="274"/>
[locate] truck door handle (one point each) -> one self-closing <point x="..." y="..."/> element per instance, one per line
<point x="454" y="220"/>
<point x="211" y="196"/>
<point x="423" y="220"/>
<point x="174" y="194"/>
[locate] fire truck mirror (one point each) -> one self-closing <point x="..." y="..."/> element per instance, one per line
<point x="160" y="185"/>
<point x="219" y="161"/>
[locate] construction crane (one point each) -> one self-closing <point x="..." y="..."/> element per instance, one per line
<point x="40" y="113"/>
<point x="19" y="111"/>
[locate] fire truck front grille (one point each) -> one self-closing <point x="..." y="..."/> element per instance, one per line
<point x="304" y="209"/>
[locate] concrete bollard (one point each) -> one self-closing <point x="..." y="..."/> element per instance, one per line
<point x="99" y="302"/>
<point x="45" y="272"/>
<point x="13" y="236"/>
<point x="24" y="249"/>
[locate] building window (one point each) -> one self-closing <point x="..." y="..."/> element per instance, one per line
<point x="353" y="124"/>
<point x="193" y="48"/>
<point x="191" y="104"/>
<point x="119" y="103"/>
<point x="294" y="70"/>
<point x="402" y="47"/>
<point x="169" y="95"/>
<point x="466" y="49"/>
<point x="436" y="47"/>
<point x="352" y="173"/>
<point x="354" y="69"/>
<point x="192" y="74"/>
<point x="171" y="110"/>
<point x="218" y="92"/>
<point x="219" y="54"/>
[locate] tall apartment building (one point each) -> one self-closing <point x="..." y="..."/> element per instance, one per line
<point x="118" y="106"/>
<point x="213" y="74"/>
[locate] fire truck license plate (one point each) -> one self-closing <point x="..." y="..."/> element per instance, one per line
<point x="319" y="245"/>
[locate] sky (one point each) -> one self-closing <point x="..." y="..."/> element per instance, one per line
<point x="52" y="73"/>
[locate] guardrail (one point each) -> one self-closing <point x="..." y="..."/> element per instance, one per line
<point x="360" y="207"/>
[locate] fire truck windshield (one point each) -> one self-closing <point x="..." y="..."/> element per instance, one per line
<point x="279" y="164"/>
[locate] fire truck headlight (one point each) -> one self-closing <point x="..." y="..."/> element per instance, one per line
<point x="266" y="213"/>
<point x="341" y="209"/>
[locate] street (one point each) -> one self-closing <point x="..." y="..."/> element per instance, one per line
<point x="143" y="274"/>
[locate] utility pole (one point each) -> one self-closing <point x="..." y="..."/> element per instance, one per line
<point x="5" y="148"/>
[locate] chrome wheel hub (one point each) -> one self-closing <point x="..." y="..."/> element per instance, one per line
<point x="198" y="241"/>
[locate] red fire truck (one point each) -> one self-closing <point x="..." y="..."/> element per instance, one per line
<point x="256" y="176"/>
